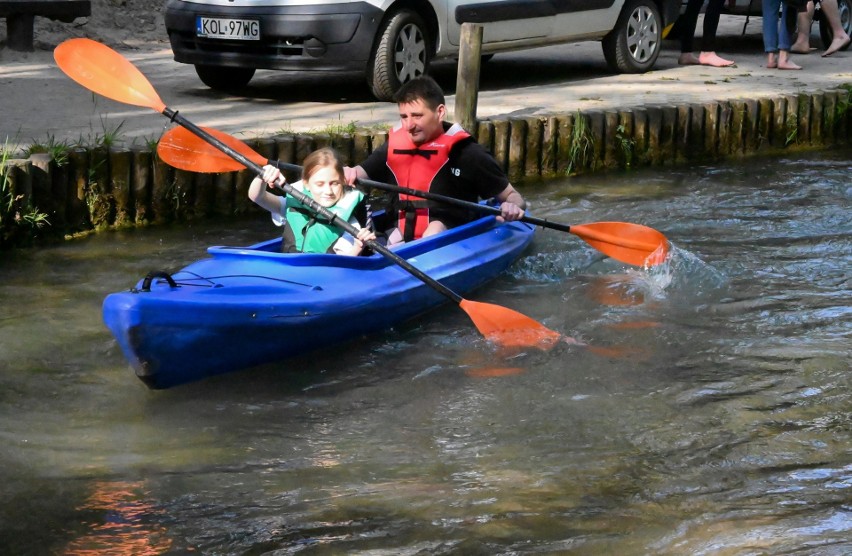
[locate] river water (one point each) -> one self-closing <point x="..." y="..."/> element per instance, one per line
<point x="720" y="424"/>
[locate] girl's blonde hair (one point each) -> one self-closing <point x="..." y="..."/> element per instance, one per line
<point x="322" y="158"/>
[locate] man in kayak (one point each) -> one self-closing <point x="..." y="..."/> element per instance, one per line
<point x="425" y="153"/>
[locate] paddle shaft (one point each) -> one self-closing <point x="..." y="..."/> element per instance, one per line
<point x="174" y="116"/>
<point x="587" y="233"/>
<point x="437" y="197"/>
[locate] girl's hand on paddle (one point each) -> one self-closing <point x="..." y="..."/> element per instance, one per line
<point x="273" y="176"/>
<point x="364" y="235"/>
<point x="510" y="212"/>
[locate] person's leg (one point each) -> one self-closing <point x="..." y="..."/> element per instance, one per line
<point x="839" y="37"/>
<point x="770" y="32"/>
<point x="434" y="227"/>
<point x="687" y="29"/>
<point x="708" y="56"/>
<point x="784" y="43"/>
<point x="803" y="37"/>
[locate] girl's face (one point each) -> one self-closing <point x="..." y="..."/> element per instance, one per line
<point x="326" y="186"/>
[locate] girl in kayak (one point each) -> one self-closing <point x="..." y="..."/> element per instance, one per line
<point x="305" y="231"/>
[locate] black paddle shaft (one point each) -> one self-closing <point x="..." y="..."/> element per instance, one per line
<point x="174" y="116"/>
<point x="437" y="197"/>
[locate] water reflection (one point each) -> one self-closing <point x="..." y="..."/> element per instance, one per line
<point x="120" y="522"/>
<point x="708" y="411"/>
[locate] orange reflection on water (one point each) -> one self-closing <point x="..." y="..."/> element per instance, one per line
<point x="121" y="525"/>
<point x="493" y="372"/>
<point x="615" y="291"/>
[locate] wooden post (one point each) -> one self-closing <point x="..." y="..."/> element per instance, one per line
<point x="162" y="187"/>
<point x="711" y="130"/>
<point x="78" y="212"/>
<point x="640" y="137"/>
<point x="738" y="134"/>
<point x="361" y="147"/>
<point x="753" y="138"/>
<point x="817" y="106"/>
<point x="467" y="81"/>
<point x="803" y="109"/>
<point x="205" y="196"/>
<point x="120" y="161"/>
<point x="829" y="121"/>
<point x="501" y="144"/>
<point x="141" y="182"/>
<point x="42" y="178"/>
<point x="668" y="134"/>
<point x="285" y="148"/>
<point x="779" y="122"/>
<point x="654" y="153"/>
<point x="223" y="198"/>
<point x="549" y="139"/>
<point x="517" y="148"/>
<point x="100" y="199"/>
<point x="696" y="142"/>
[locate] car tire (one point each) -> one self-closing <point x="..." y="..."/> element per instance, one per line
<point x="223" y="78"/>
<point x="825" y="32"/>
<point x="402" y="52"/>
<point x="634" y="44"/>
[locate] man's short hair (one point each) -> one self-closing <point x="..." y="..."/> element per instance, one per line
<point x="420" y="88"/>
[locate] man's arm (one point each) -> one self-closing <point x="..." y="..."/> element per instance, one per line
<point x="370" y="168"/>
<point x="512" y="204"/>
<point x="354" y="174"/>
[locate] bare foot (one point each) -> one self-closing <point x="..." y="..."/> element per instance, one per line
<point x="788" y="65"/>
<point x="801" y="47"/>
<point x="837" y="44"/>
<point x="712" y="59"/>
<point x="771" y="61"/>
<point x="688" y="59"/>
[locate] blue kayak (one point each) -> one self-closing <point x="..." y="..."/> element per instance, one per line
<point x="246" y="306"/>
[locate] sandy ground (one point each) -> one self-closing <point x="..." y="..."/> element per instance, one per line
<point x="40" y="102"/>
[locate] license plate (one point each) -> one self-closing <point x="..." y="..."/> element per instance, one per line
<point x="226" y="28"/>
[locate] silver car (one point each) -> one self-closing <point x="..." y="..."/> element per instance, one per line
<point x="392" y="41"/>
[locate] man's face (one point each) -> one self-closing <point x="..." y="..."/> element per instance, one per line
<point x="421" y="122"/>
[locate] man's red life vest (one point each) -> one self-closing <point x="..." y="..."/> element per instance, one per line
<point x="415" y="167"/>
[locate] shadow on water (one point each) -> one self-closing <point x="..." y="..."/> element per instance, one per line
<point x="714" y="418"/>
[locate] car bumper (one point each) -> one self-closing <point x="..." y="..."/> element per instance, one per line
<point x="336" y="37"/>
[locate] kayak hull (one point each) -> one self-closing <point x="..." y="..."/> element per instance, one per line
<point x="243" y="307"/>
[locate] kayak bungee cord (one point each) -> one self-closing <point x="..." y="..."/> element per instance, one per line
<point x="177" y="282"/>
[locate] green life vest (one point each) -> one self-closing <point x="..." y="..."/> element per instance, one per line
<point x="312" y="232"/>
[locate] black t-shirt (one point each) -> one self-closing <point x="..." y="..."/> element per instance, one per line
<point x="470" y="174"/>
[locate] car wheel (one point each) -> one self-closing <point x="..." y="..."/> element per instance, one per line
<point x="634" y="44"/>
<point x="224" y="78"/>
<point x="825" y="32"/>
<point x="402" y="52"/>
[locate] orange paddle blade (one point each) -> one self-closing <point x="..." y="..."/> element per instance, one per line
<point x="508" y="328"/>
<point x="102" y="70"/>
<point x="629" y="243"/>
<point x="185" y="150"/>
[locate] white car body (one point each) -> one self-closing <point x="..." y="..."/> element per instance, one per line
<point x="374" y="36"/>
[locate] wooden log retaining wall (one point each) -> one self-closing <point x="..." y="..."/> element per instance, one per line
<point x="101" y="188"/>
